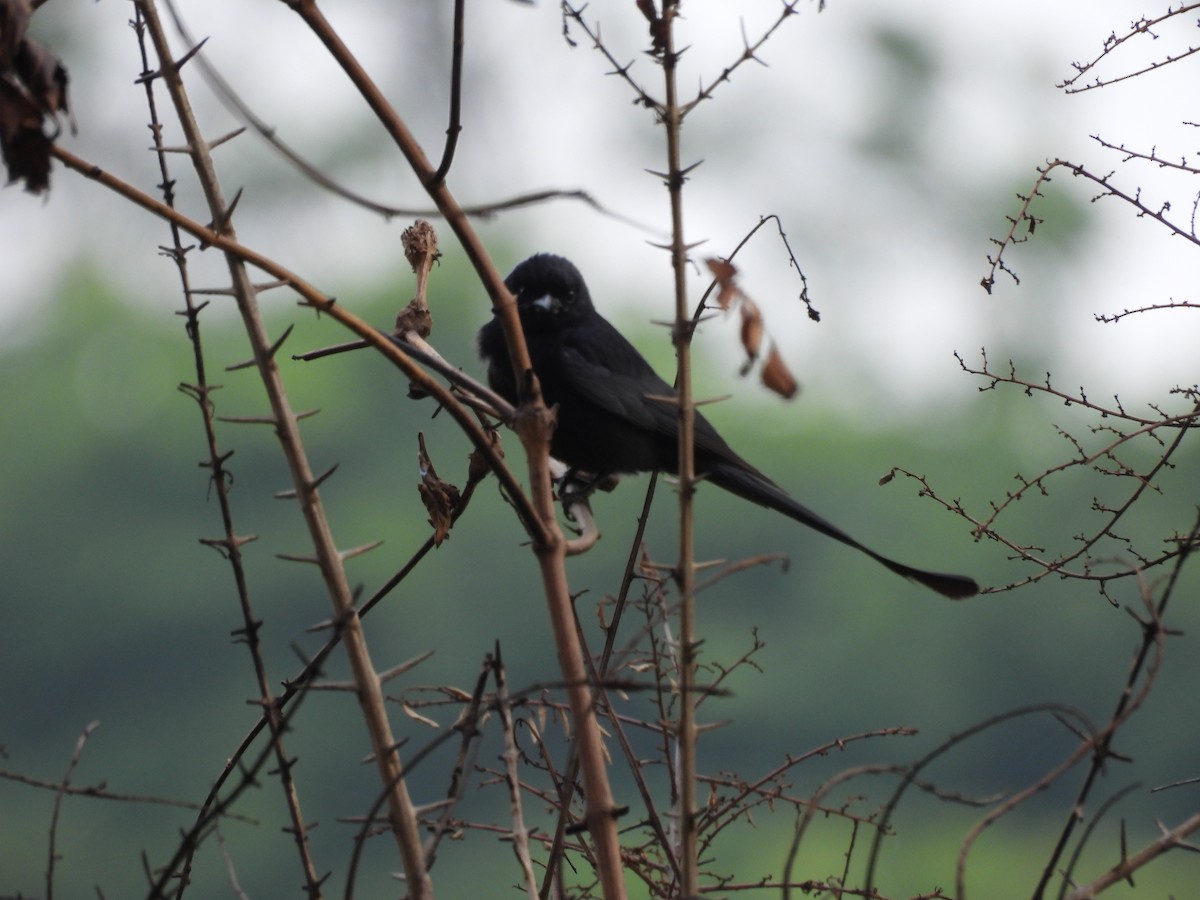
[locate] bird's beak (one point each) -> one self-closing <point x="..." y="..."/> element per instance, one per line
<point x="547" y="303"/>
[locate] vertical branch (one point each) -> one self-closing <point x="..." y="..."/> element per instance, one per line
<point x="534" y="423"/>
<point x="685" y="572"/>
<point x="230" y="545"/>
<point x="402" y="816"/>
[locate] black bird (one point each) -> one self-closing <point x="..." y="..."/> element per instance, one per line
<point x="608" y="421"/>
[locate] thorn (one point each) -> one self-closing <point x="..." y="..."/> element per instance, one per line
<point x="313" y="485"/>
<point x="194" y="311"/>
<point x="308" y="663"/>
<point x="217" y="142"/>
<point x="222" y="221"/>
<point x="279" y="343"/>
<point x="404" y="666"/>
<point x="270" y="285"/>
<point x="284" y="767"/>
<point x="358" y="551"/>
<point x="318" y="306"/>
<point x="186" y="58"/>
<point x="288" y="557"/>
<point x="248" y="630"/>
<point x="229" y="292"/>
<point x="319" y="480"/>
<point x="220" y="461"/>
<point x="223" y="544"/>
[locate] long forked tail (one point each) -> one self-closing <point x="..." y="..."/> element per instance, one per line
<point x="750" y="486"/>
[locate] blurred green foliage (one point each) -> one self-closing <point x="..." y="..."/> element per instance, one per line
<point x="115" y="612"/>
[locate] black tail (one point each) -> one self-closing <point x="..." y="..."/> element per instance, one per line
<point x="753" y="487"/>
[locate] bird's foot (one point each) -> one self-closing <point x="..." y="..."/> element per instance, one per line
<point x="576" y="486"/>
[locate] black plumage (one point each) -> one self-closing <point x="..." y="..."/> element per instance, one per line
<point x="607" y="421"/>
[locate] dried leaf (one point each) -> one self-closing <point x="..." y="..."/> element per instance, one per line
<point x="752" y="332"/>
<point x="727" y="289"/>
<point x="24" y="146"/>
<point x="658" y="26"/>
<point x="44" y="76"/>
<point x="14" y="19"/>
<point x="440" y="497"/>
<point x="33" y="86"/>
<point x="775" y="375"/>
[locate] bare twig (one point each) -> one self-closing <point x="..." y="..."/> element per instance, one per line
<point x="1140" y="26"/>
<point x="520" y="831"/>
<point x="1170" y="839"/>
<point x="58" y="799"/>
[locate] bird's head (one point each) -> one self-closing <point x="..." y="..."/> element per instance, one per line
<point x="550" y="292"/>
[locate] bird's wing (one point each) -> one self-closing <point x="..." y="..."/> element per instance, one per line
<point x="621" y="382"/>
<point x="607" y="370"/>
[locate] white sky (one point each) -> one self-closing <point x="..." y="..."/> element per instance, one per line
<point x="894" y="250"/>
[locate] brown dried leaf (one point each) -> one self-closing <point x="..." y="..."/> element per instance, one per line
<point x="44" y="76"/>
<point x="33" y="85"/>
<point x="14" y="19"/>
<point x="752" y="332"/>
<point x="658" y="26"/>
<point x="724" y="273"/>
<point x="25" y="148"/>
<point x="775" y="375"/>
<point x="440" y="497"/>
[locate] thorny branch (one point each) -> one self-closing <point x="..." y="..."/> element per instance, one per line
<point x="220" y="478"/>
<point x="1140" y="27"/>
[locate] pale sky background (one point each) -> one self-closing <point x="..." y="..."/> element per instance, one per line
<point x="893" y="245"/>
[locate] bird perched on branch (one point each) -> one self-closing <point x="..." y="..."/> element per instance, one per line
<point x="613" y="413"/>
